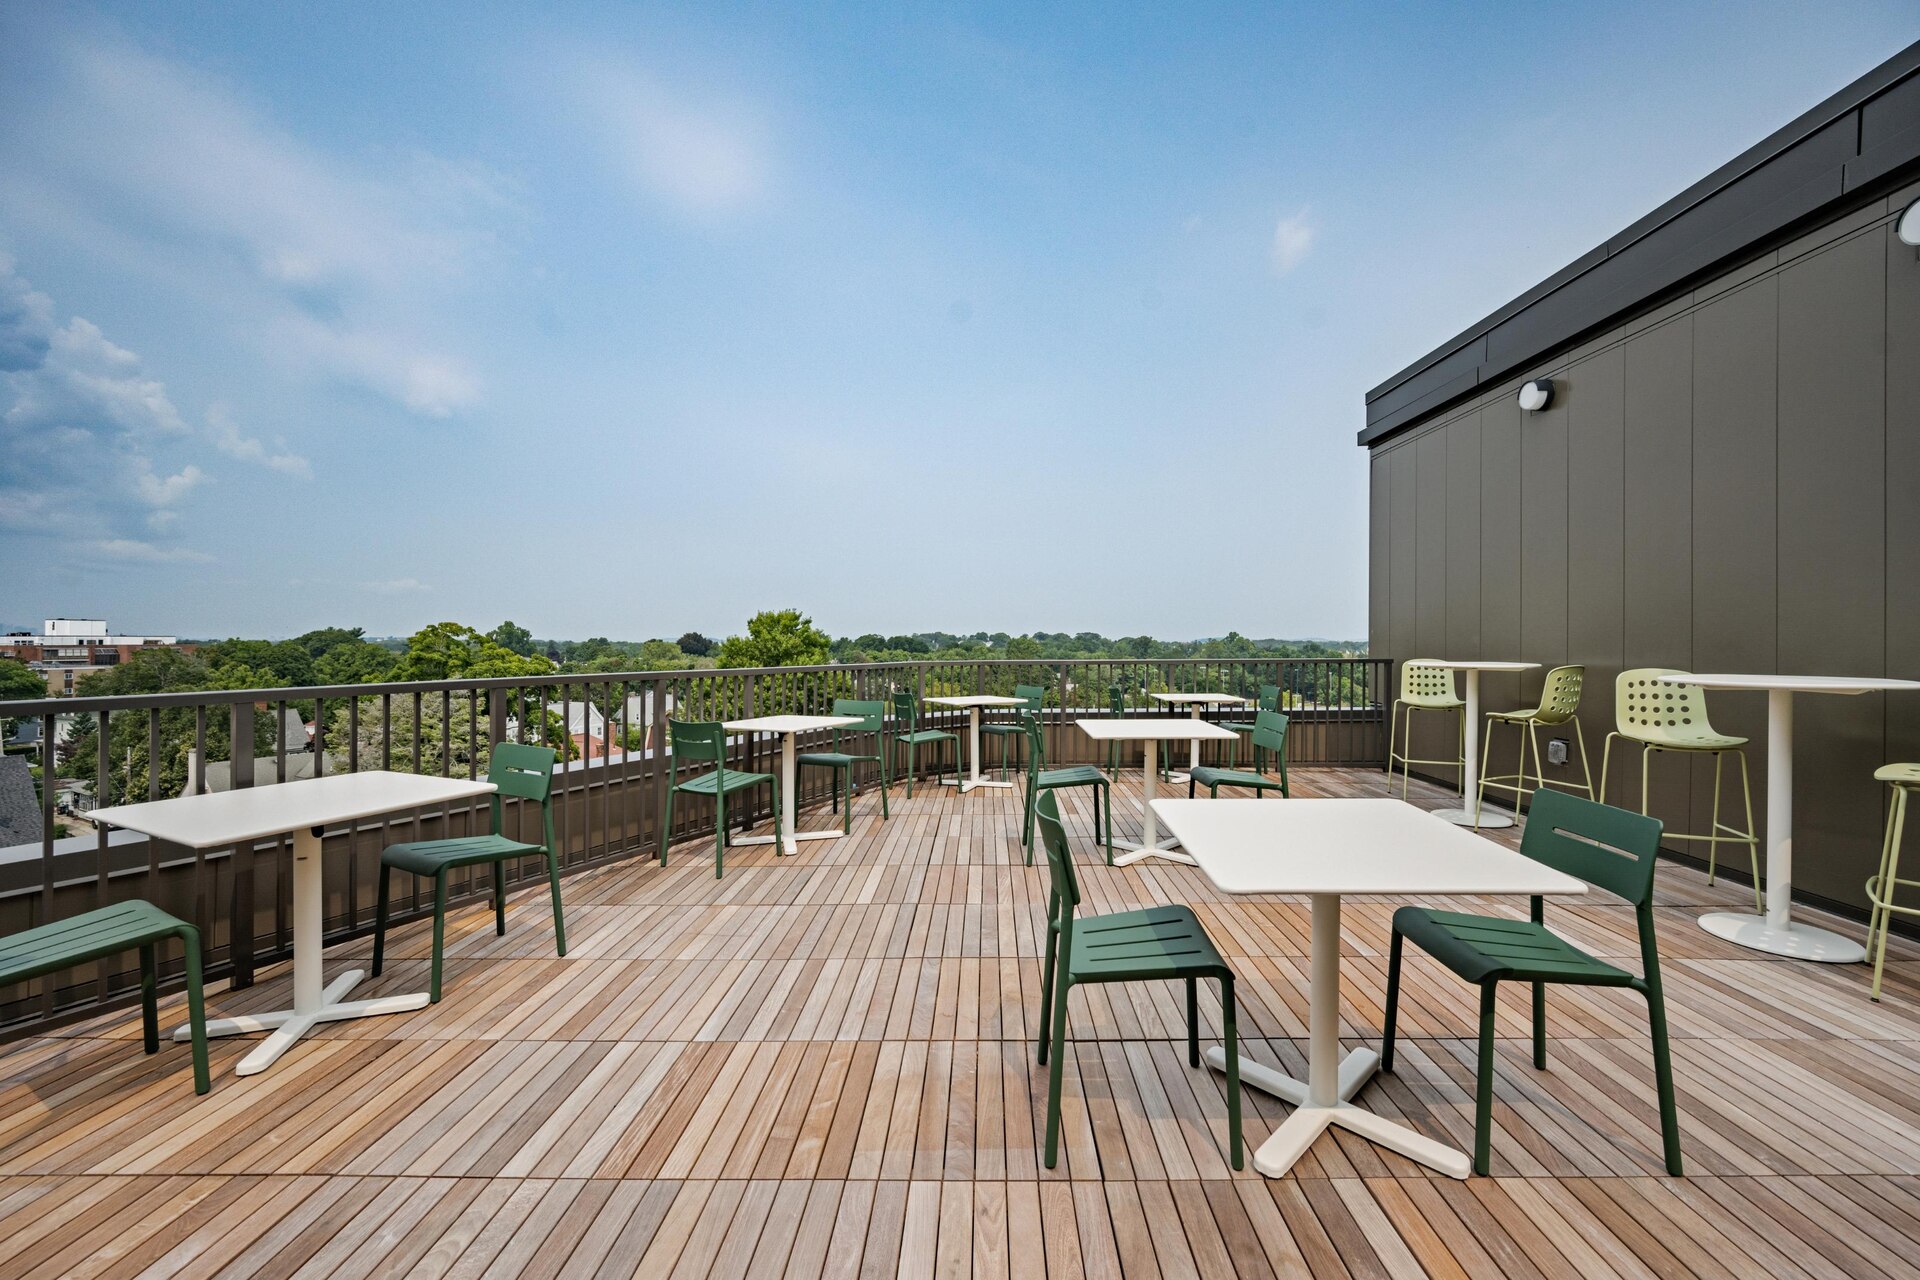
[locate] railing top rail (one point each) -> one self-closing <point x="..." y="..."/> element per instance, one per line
<point x="555" y="679"/>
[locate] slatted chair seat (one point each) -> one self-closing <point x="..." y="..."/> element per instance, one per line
<point x="831" y="759"/>
<point x="1213" y="778"/>
<point x="110" y="931"/>
<point x="1158" y="942"/>
<point x="1076" y="775"/>
<point x="1491" y="949"/>
<point x="710" y="783"/>
<point x="426" y="857"/>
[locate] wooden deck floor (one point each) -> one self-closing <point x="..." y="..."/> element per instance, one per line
<point x="823" y="1066"/>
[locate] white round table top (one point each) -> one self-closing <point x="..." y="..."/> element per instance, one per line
<point x="1202" y="698"/>
<point x="1794" y="684"/>
<point x="1473" y="665"/>
<point x="978" y="700"/>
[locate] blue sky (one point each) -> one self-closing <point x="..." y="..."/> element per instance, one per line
<point x="626" y="320"/>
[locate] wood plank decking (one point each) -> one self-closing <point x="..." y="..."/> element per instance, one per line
<point x="823" y="1066"/>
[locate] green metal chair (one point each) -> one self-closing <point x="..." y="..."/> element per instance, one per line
<point x="1424" y="688"/>
<point x="1559" y="703"/>
<point x="1270" y="735"/>
<point x="1156" y="944"/>
<point x="1269" y="700"/>
<point x="111" y="931"/>
<point x="695" y="741"/>
<point x="515" y="769"/>
<point x="1117" y="704"/>
<point x="1033" y="697"/>
<point x="1042" y="781"/>
<point x="1881" y="889"/>
<point x="1610" y="849"/>
<point x="872" y="720"/>
<point x="906" y="719"/>
<point x="1673" y="717"/>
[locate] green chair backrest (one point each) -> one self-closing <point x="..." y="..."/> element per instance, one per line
<point x="1066" y="887"/>
<point x="1646" y="710"/>
<point x="871" y="715"/>
<point x="1034" y="695"/>
<point x="1270" y="732"/>
<point x="1032" y="726"/>
<point x="523" y="770"/>
<point x="1609" y="848"/>
<point x="1427" y="686"/>
<point x="1269" y="697"/>
<point x="697" y="739"/>
<point x="1560" y="697"/>
<point x="1116" y="700"/>
<point x="905" y="710"/>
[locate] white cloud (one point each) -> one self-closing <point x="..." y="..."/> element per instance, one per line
<point x="1292" y="239"/>
<point x="132" y="549"/>
<point x="395" y="586"/>
<point x="228" y="439"/>
<point x="166" y="491"/>
<point x="700" y="156"/>
<point x="174" y="174"/>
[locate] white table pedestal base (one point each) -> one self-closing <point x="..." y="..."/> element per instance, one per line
<point x="1150" y="845"/>
<point x="973" y="778"/>
<point x="1323" y="1099"/>
<point x="1470" y="782"/>
<point x="313" y="1003"/>
<point x="1799" y="941"/>
<point x="793" y="840"/>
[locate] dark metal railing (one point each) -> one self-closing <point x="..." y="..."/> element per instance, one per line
<point x="609" y="792"/>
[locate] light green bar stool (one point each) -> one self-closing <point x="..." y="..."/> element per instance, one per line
<point x="1559" y="701"/>
<point x="1673" y="717"/>
<point x="1904" y="778"/>
<point x="1424" y="688"/>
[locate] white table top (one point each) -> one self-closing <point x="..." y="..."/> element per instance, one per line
<point x="788" y="724"/>
<point x="1795" y="684"/>
<point x="979" y="700"/>
<point x="1159" y="728"/>
<point x="1474" y="665"/>
<point x="253" y="813"/>
<point x="1348" y="846"/>
<point x="1204" y="699"/>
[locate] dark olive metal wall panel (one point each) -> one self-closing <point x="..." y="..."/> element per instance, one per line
<point x="1595" y="397"/>
<point x="1832" y="541"/>
<point x="1430" y="524"/>
<point x="1543" y="543"/>
<point x="1658" y="461"/>
<point x="1500" y="543"/>
<point x="1902" y="489"/>
<point x="1402" y="584"/>
<point x="1379" y="511"/>
<point x="1463" y="534"/>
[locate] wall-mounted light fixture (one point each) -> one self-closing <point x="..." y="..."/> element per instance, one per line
<point x="1536" y="395"/>
<point x="1908" y="228"/>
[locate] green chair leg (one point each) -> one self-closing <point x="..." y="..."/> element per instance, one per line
<point x="1230" y="1029"/>
<point x="1483" y="1088"/>
<point x="1193" y="1022"/>
<point x="500" y="899"/>
<point x="380" y="918"/>
<point x="1393" y="1005"/>
<point x="150" y="997"/>
<point x="912" y="767"/>
<point x="1046" y="994"/>
<point x="1054" y="1067"/>
<point x="439" y="933"/>
<point x="720" y="832"/>
<point x="1663" y="1077"/>
<point x="666" y="827"/>
<point x="559" y="917"/>
<point x="1540" y="1025"/>
<point x="1107" y="795"/>
<point x="196" y="1011"/>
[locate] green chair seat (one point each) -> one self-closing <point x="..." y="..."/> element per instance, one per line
<point x="92" y="935"/>
<point x="709" y="783"/>
<point x="1493" y="949"/>
<point x="920" y="737"/>
<point x="426" y="857"/>
<point x="517" y="769"/>
<point x="1158" y="942"/>
<point x="829" y="759"/>
<point x="1076" y="775"/>
<point x="1213" y="778"/>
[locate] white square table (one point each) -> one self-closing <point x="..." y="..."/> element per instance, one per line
<point x="1199" y="702"/>
<point x="1327" y="848"/>
<point x="1469" y="815"/>
<point x="790" y="728"/>
<point x="972" y="702"/>
<point x="1150" y="733"/>
<point x="300" y="809"/>
<point x="1775" y="932"/>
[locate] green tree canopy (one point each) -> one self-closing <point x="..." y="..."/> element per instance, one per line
<point x="20" y="682"/>
<point x="776" y="638"/>
<point x="450" y="650"/>
<point x="695" y="645"/>
<point x="513" y="636"/>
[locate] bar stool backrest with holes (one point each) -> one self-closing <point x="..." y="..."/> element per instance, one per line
<point x="1671" y="715"/>
<point x="1425" y="686"/>
<point x="1560" y="697"/>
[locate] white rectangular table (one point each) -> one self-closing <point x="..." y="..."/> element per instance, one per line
<point x="1324" y="849"/>
<point x="1150" y="733"/>
<point x="1775" y="932"/>
<point x="790" y="728"/>
<point x="300" y="809"/>
<point x="1470" y="815"/>
<point x="1199" y="702"/>
<point x="972" y="702"/>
